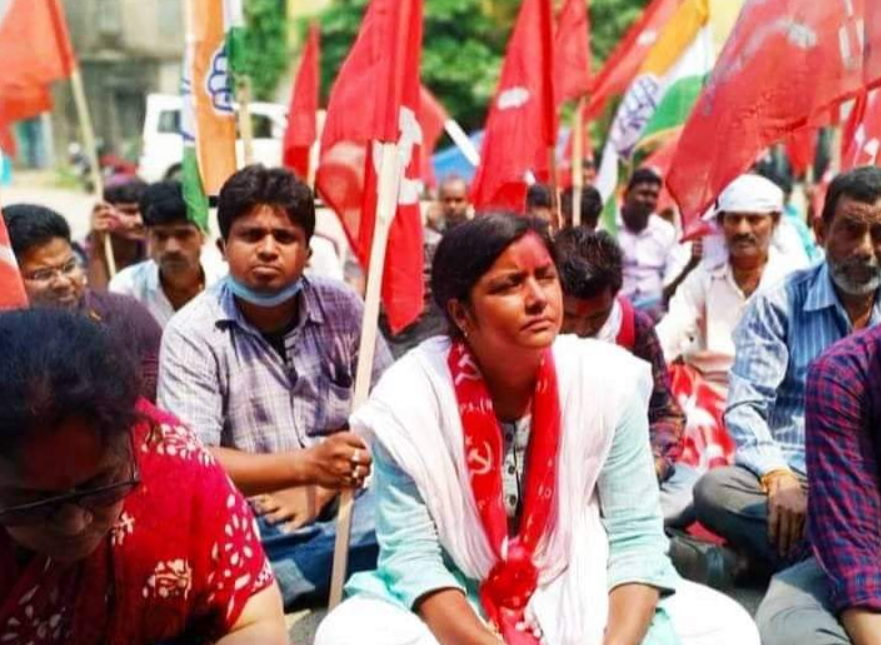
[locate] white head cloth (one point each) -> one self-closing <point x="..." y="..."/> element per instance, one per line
<point x="750" y="194"/>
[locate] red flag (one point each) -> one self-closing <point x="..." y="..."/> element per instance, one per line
<point x="861" y="139"/>
<point x="572" y="52"/>
<point x="785" y="65"/>
<point x="432" y="117"/>
<point x="36" y="52"/>
<point x="12" y="293"/>
<point x="521" y="126"/>
<point x="624" y="62"/>
<point x="376" y="99"/>
<point x="801" y="147"/>
<point x="301" y="132"/>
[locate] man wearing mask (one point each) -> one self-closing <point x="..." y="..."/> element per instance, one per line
<point x="262" y="367"/>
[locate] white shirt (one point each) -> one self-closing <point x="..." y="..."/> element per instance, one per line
<point x="141" y="281"/>
<point x="699" y="325"/>
<point x="646" y="256"/>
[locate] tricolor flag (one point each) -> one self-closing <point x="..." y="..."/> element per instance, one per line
<point x="375" y="100"/>
<point x="213" y="51"/>
<point x="12" y="293"/>
<point x="36" y="51"/>
<point x="665" y="90"/>
<point x="787" y="64"/>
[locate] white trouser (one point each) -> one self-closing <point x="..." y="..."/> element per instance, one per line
<point x="700" y="615"/>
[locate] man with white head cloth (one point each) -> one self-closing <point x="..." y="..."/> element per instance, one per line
<point x="699" y="324"/>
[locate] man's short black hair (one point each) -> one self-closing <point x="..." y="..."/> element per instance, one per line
<point x="589" y="262"/>
<point x="644" y="176"/>
<point x="255" y="186"/>
<point x="128" y="191"/>
<point x="58" y="364"/>
<point x="538" y="196"/>
<point x="30" y="225"/>
<point x="163" y="203"/>
<point x="591" y="206"/>
<point x="860" y="184"/>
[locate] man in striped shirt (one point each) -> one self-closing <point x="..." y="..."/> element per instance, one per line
<point x="760" y="504"/>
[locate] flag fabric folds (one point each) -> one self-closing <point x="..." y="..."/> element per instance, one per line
<point x="432" y="119"/>
<point x="785" y="66"/>
<point x="375" y="100"/>
<point x="12" y="293"/>
<point x="208" y="124"/>
<point x="301" y="131"/>
<point x="36" y="52"/>
<point x="861" y="140"/>
<point x="572" y="52"/>
<point x="522" y="123"/>
<point x="625" y="60"/>
<point x="664" y="92"/>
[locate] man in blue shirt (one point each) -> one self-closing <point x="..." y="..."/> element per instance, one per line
<point x="760" y="504"/>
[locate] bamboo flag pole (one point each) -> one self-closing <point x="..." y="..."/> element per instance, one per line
<point x="577" y="162"/>
<point x="246" y="131"/>
<point x="91" y="150"/>
<point x="315" y="149"/>
<point x="555" y="196"/>
<point x="386" y="205"/>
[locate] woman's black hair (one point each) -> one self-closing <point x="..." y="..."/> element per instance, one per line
<point x="256" y="185"/>
<point x="467" y="252"/>
<point x="58" y="364"/>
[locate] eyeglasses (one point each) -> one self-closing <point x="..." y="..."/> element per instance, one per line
<point x="90" y="500"/>
<point x="67" y="269"/>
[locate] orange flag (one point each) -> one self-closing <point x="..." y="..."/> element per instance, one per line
<point x="36" y="51"/>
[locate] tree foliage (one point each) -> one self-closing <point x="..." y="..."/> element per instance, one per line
<point x="463" y="45"/>
<point x="266" y="45"/>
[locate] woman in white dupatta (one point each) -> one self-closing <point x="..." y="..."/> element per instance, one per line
<point x="516" y="496"/>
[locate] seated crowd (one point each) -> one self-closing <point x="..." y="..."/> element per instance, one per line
<point x="581" y="436"/>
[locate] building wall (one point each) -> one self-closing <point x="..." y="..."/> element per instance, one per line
<point x="126" y="50"/>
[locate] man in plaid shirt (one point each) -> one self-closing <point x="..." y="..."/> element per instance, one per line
<point x="835" y="596"/>
<point x="262" y="368"/>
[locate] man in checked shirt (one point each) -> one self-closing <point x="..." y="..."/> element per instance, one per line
<point x="262" y="368"/>
<point x="835" y="597"/>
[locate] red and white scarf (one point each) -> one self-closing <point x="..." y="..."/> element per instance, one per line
<point x="507" y="590"/>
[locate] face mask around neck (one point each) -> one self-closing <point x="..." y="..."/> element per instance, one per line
<point x="263" y="299"/>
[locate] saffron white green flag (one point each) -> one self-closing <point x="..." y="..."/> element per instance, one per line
<point x="214" y="51"/>
<point x="663" y="93"/>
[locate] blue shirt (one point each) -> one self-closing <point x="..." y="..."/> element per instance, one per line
<point x="782" y="331"/>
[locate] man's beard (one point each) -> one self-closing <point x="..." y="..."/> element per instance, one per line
<point x="842" y="275"/>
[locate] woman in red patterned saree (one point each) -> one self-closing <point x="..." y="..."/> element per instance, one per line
<point x="116" y="527"/>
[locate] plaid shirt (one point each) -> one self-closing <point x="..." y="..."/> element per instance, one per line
<point x="843" y="444"/>
<point x="221" y="377"/>
<point x="666" y="419"/>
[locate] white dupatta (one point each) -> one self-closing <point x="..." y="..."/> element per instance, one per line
<point x="414" y="414"/>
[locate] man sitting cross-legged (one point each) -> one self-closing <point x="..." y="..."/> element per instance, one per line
<point x="261" y="366"/>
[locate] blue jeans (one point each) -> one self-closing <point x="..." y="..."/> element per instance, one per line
<point x="302" y="560"/>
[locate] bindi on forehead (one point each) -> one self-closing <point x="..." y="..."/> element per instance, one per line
<point x="530" y="251"/>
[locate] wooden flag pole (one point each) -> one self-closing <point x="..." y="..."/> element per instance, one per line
<point x="555" y="197"/>
<point x="386" y="205"/>
<point x="577" y="163"/>
<point x="315" y="148"/>
<point x="246" y="131"/>
<point x="91" y="150"/>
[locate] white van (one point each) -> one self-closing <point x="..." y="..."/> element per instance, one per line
<point x="163" y="148"/>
